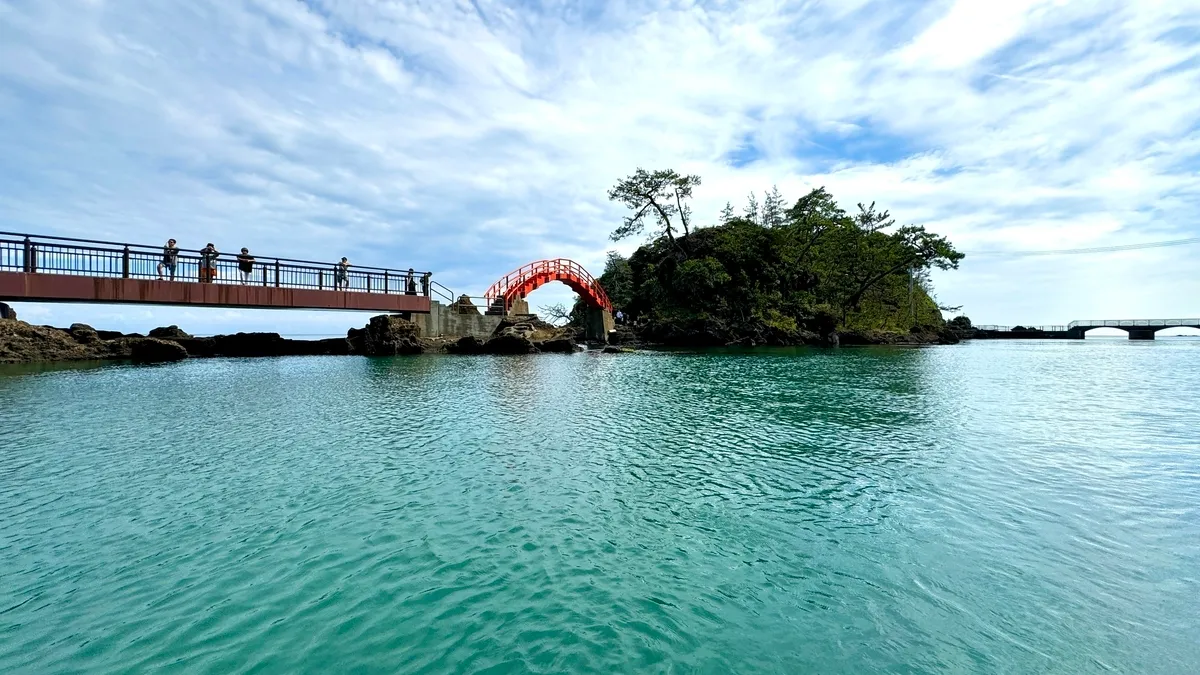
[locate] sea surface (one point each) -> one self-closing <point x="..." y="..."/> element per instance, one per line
<point x="994" y="507"/>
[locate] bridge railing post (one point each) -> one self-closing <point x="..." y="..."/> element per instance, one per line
<point x="276" y="274"/>
<point x="28" y="262"/>
<point x="125" y="263"/>
<point x="368" y="282"/>
<point x="385" y="282"/>
<point x="264" y="271"/>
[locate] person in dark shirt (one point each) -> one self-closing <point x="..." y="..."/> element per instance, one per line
<point x="411" y="288"/>
<point x="341" y="275"/>
<point x="170" y="258"/>
<point x="425" y="284"/>
<point x="208" y="263"/>
<point x="245" y="264"/>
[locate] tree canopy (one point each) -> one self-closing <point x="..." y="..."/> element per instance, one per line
<point x="774" y="272"/>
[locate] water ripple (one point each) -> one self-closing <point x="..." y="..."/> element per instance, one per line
<point x="994" y="507"/>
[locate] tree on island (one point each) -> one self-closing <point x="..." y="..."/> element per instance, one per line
<point x="774" y="273"/>
<point x="660" y="194"/>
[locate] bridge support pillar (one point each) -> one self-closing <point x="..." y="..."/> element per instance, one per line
<point x="599" y="323"/>
<point x="1141" y="334"/>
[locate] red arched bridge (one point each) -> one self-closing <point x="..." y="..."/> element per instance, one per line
<point x="528" y="278"/>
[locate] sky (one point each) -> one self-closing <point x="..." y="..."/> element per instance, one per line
<point x="471" y="137"/>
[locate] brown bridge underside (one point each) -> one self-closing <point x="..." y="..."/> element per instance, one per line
<point x="19" y="286"/>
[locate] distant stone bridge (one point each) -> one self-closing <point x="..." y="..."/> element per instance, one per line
<point x="1138" y="329"/>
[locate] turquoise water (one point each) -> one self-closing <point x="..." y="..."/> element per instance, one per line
<point x="991" y="507"/>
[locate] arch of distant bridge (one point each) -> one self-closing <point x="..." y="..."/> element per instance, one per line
<point x="528" y="278"/>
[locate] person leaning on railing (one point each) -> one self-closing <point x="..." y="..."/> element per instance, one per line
<point x="245" y="265"/>
<point x="208" y="263"/>
<point x="170" y="259"/>
<point x="341" y="274"/>
<point x="411" y="284"/>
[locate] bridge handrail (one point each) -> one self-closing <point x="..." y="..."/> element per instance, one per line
<point x="550" y="266"/>
<point x="1134" y="323"/>
<point x="158" y="248"/>
<point x="96" y="258"/>
<point x="1009" y="329"/>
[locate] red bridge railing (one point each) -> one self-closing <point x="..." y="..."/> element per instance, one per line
<point x="527" y="278"/>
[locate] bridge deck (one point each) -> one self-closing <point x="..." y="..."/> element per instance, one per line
<point x="56" y="269"/>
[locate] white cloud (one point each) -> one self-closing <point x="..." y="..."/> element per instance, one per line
<point x="471" y="141"/>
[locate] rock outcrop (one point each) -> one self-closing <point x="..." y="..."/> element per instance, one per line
<point x="7" y="312"/>
<point x="153" y="350"/>
<point x="171" y="332"/>
<point x="246" y="345"/>
<point x="386" y="335"/>
<point x="23" y="343"/>
<point x="84" y="334"/>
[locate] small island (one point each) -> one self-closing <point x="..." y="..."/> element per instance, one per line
<point x="806" y="274"/>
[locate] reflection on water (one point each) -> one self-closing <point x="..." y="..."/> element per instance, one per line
<point x="997" y="507"/>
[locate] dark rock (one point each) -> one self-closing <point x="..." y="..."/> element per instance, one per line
<point x="7" y="312"/>
<point x="386" y="335"/>
<point x="170" y="333"/>
<point x="613" y="350"/>
<point x="83" y="333"/>
<point x="557" y="346"/>
<point x="246" y="345"/>
<point x="198" y="347"/>
<point x="152" y="350"/>
<point x="509" y="343"/>
<point x="466" y="345"/>
<point x="114" y="334"/>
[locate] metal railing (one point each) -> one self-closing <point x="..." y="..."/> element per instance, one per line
<point x="86" y="257"/>
<point x="1008" y="329"/>
<point x="523" y="276"/>
<point x="1134" y="323"/>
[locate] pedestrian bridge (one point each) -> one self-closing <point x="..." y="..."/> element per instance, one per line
<point x="1138" y="329"/>
<point x="59" y="269"/>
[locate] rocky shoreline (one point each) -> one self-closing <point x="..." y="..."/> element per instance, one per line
<point x="384" y="335"/>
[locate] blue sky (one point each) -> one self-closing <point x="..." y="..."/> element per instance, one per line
<point x="471" y="137"/>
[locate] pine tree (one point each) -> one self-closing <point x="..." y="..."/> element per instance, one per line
<point x="727" y="213"/>
<point x="772" y="215"/>
<point x="752" y="209"/>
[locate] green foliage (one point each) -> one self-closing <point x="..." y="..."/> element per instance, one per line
<point x="662" y="195"/>
<point x="776" y="272"/>
<point x="960" y="323"/>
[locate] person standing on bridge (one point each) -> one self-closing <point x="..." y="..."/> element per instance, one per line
<point x="208" y="263"/>
<point x="411" y="288"/>
<point x="245" y="264"/>
<point x="341" y="275"/>
<point x="170" y="258"/>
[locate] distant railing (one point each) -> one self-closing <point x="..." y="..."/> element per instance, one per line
<point x="1008" y="329"/>
<point x="91" y="258"/>
<point x="1122" y="323"/>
